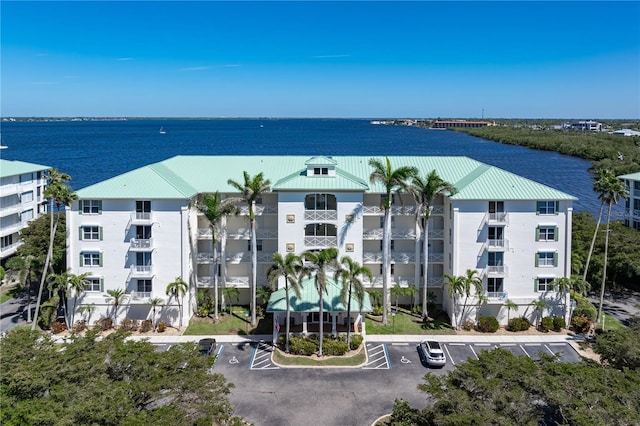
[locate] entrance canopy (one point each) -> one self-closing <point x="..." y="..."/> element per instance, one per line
<point x="310" y="300"/>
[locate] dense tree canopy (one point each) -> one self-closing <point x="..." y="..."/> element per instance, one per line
<point x="36" y="242"/>
<point x="111" y="381"/>
<point x="501" y="388"/>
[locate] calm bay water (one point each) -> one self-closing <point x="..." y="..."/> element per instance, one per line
<point x="97" y="150"/>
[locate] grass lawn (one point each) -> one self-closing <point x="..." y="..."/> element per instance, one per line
<point x="344" y="361"/>
<point x="610" y="323"/>
<point x="235" y="323"/>
<point x="406" y="323"/>
<point x="10" y="293"/>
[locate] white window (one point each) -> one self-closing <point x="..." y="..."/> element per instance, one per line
<point x="93" y="284"/>
<point x="546" y="207"/>
<point x="90" y="233"/>
<point x="547" y="233"/>
<point x="544" y="284"/>
<point x="495" y="285"/>
<point x="27" y="215"/>
<point x="91" y="259"/>
<point x="91" y="206"/>
<point x="320" y="170"/>
<point x="26" y="197"/>
<point x="320" y="202"/>
<point x="144" y="286"/>
<point x="546" y="258"/>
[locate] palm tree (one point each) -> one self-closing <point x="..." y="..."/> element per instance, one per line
<point x="320" y="261"/>
<point x="155" y="303"/>
<point x="393" y="180"/>
<point x="77" y="285"/>
<point x="601" y="184"/>
<point x="288" y="267"/>
<point x="539" y="305"/>
<point x="511" y="306"/>
<point x="58" y="284"/>
<point x="116" y="297"/>
<point x="57" y="192"/>
<point x="263" y="293"/>
<point x="178" y="288"/>
<point x="616" y="191"/>
<point x="425" y="191"/>
<point x="472" y="287"/>
<point x="412" y="292"/>
<point x="455" y="286"/>
<point x="231" y="293"/>
<point x="25" y="268"/>
<point x="349" y="273"/>
<point x="397" y="291"/>
<point x="216" y="210"/>
<point x="251" y="190"/>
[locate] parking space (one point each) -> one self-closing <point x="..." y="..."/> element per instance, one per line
<point x="233" y="357"/>
<point x="458" y="353"/>
<point x="377" y="357"/>
<point x="261" y="359"/>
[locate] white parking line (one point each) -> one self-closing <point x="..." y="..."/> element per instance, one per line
<point x="448" y="353"/>
<point x="378" y="358"/>
<point x="474" y="352"/>
<point x="525" y="351"/>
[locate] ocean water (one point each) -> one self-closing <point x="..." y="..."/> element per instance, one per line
<point x="92" y="151"/>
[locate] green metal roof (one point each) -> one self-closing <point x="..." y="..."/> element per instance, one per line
<point x="631" y="176"/>
<point x="183" y="177"/>
<point x="14" y="167"/>
<point x="310" y="300"/>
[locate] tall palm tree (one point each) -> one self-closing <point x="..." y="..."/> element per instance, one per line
<point x="178" y="288"/>
<point x="601" y="184"/>
<point x="511" y="306"/>
<point x="58" y="284"/>
<point x="472" y="287"/>
<point x="455" y="286"/>
<point x="348" y="273"/>
<point x="24" y="265"/>
<point x="393" y="181"/>
<point x="231" y="293"/>
<point x="155" y="303"/>
<point x="319" y="262"/>
<point x="616" y="191"/>
<point x="116" y="296"/>
<point x="397" y="291"/>
<point x="216" y="210"/>
<point x="77" y="286"/>
<point x="251" y="189"/>
<point x="424" y="191"/>
<point x="288" y="267"/>
<point x="57" y="192"/>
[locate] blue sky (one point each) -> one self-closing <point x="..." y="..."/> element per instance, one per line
<point x="321" y="59"/>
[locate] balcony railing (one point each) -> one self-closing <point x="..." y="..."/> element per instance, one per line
<point x="636" y="212"/>
<point x="245" y="234"/>
<point x="313" y="215"/>
<point x="496" y="270"/>
<point x="140" y="295"/>
<point x="141" y="218"/>
<point x="401" y="257"/>
<point x="141" y="270"/>
<point x="141" y="244"/>
<point x="500" y="296"/>
<point x="259" y="210"/>
<point x="204" y="233"/>
<point x="10" y="209"/>
<point x="205" y="257"/>
<point x="205" y="282"/>
<point x="245" y="256"/>
<point x="243" y="282"/>
<point x="318" y="241"/>
<point x="396" y="234"/>
<point x="499" y="244"/>
<point x="496" y="217"/>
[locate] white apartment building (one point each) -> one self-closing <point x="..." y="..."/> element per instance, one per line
<point x="632" y="204"/>
<point x="140" y="230"/>
<point x="21" y="195"/>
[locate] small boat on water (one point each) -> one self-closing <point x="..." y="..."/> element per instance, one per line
<point x="162" y="131"/>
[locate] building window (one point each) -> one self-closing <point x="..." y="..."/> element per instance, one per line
<point x="315" y="317"/>
<point x="320" y="230"/>
<point x="91" y="233"/>
<point x="495" y="285"/>
<point x="544" y="284"/>
<point x="547" y="258"/>
<point x="258" y="245"/>
<point x="496" y="258"/>
<point x="496" y="236"/>
<point x="143" y="232"/>
<point x="143" y="258"/>
<point x="91" y="206"/>
<point x="496" y="206"/>
<point x="547" y="207"/>
<point x="93" y="284"/>
<point x="320" y="202"/>
<point x="320" y="171"/>
<point x="90" y="259"/>
<point x="547" y="233"/>
<point x="144" y="286"/>
<point x="26" y="197"/>
<point x="143" y="206"/>
<point x="7" y="241"/>
<point x="392" y="245"/>
<point x="27" y="215"/>
<point x="392" y="267"/>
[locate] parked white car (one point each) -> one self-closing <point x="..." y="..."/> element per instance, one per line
<point x="431" y="353"/>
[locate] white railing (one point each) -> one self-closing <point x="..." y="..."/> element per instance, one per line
<point x="496" y="270"/>
<point x="395" y="280"/>
<point x="140" y="295"/>
<point x="205" y="282"/>
<point x="141" y="244"/>
<point x="11" y="247"/>
<point x="14" y="227"/>
<point x="205" y="257"/>
<point x="204" y="233"/>
<point x="245" y="234"/>
<point x="320" y="215"/>
<point x="497" y="244"/>
<point x="321" y="241"/>
<point x="13" y="208"/>
<point x="497" y="217"/>
<point x="141" y="270"/>
<point x="259" y="210"/>
<point x="243" y="282"/>
<point x="239" y="257"/>
<point x="14" y="188"/>
<point x="497" y="295"/>
<point x="141" y="217"/>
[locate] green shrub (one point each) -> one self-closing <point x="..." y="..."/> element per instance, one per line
<point x="584" y="308"/>
<point x="468" y="325"/>
<point x="519" y="324"/>
<point x="202" y="312"/>
<point x="302" y="346"/>
<point x="488" y="324"/>
<point x="558" y="323"/>
<point x="146" y="326"/>
<point x="377" y="310"/>
<point x="334" y="347"/>
<point x="546" y="324"/>
<point x="580" y="323"/>
<point x="356" y="341"/>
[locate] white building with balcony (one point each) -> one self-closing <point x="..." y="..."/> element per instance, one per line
<point x="21" y="195"/>
<point x="632" y="204"/>
<point x="140" y="230"/>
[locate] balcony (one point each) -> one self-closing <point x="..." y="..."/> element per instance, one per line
<point x="205" y="257"/>
<point x="137" y="296"/>
<point x="242" y="256"/>
<point x="141" y="244"/>
<point x="318" y="241"/>
<point x="401" y="257"/>
<point x="141" y="218"/>
<point x="141" y="271"/>
<point x="259" y="210"/>
<point x="496" y="271"/>
<point x="245" y="234"/>
<point x="497" y="245"/>
<point x="243" y="282"/>
<point x="320" y="215"/>
<point x="396" y="234"/>
<point x="496" y="296"/>
<point x="10" y="209"/>
<point x="204" y="233"/>
<point x="205" y="282"/>
<point x="496" y="218"/>
<point x="395" y="280"/>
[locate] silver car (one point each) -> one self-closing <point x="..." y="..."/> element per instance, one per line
<point x="431" y="353"/>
